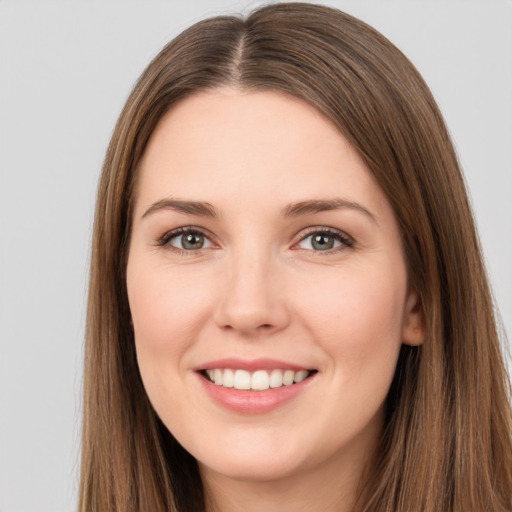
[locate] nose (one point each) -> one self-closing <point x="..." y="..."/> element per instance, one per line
<point x="253" y="299"/>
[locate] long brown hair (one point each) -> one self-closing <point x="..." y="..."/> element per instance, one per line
<point x="447" y="441"/>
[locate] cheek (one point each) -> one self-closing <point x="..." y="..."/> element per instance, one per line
<point x="165" y="309"/>
<point x="356" y="322"/>
<point x="357" y="318"/>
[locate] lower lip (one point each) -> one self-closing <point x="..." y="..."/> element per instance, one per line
<point x="253" y="402"/>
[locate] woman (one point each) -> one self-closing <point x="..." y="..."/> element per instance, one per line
<point x="288" y="308"/>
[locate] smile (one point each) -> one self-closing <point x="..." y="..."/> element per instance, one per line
<point x="254" y="386"/>
<point x="259" y="380"/>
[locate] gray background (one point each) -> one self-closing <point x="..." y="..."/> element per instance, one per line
<point x="66" y="68"/>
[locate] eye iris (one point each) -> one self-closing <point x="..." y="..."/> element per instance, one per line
<point x="322" y="242"/>
<point x="192" y="241"/>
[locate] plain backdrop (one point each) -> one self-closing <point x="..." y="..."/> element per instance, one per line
<point x="66" y="68"/>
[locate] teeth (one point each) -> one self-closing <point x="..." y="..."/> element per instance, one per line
<point x="259" y="380"/>
<point x="242" y="380"/>
<point x="228" y="379"/>
<point x="300" y="376"/>
<point x="276" y="379"/>
<point x="288" y="377"/>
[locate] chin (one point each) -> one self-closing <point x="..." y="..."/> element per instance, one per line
<point x="257" y="461"/>
<point x="253" y="470"/>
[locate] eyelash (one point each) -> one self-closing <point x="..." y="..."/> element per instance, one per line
<point x="164" y="241"/>
<point x="339" y="236"/>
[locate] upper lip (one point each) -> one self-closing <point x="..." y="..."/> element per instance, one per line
<point x="251" y="365"/>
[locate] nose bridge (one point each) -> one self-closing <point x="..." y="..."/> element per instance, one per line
<point x="252" y="299"/>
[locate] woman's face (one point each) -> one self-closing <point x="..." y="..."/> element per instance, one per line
<point x="263" y="251"/>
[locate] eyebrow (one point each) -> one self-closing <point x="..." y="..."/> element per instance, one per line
<point x="200" y="208"/>
<point x="310" y="207"/>
<point x="324" y="205"/>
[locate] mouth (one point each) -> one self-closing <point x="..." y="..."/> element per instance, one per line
<point x="256" y="386"/>
<point x="258" y="380"/>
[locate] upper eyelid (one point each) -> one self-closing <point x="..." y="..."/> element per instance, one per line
<point x="323" y="229"/>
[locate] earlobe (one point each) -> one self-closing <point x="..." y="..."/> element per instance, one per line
<point x="413" y="332"/>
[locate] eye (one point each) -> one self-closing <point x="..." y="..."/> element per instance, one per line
<point x="325" y="240"/>
<point x="186" y="239"/>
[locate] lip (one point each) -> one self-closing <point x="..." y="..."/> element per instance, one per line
<point x="250" y="366"/>
<point x="247" y="401"/>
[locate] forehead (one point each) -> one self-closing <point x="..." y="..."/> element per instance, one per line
<point x="259" y="145"/>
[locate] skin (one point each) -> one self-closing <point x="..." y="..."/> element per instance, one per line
<point x="259" y="288"/>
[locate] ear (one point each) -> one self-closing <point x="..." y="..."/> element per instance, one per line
<point x="413" y="332"/>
